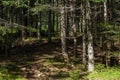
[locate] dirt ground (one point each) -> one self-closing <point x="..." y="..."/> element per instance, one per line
<point x="37" y="60"/>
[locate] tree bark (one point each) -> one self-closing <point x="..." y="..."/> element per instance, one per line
<point x="39" y="27"/>
<point x="90" y="51"/>
<point x="84" y="60"/>
<point x="63" y="34"/>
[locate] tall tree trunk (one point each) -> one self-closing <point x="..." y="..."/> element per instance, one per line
<point x="1" y="9"/>
<point x="57" y="18"/>
<point x="39" y="27"/>
<point x="49" y="26"/>
<point x="74" y="26"/>
<point x="105" y="20"/>
<point x="105" y="10"/>
<point x="22" y="22"/>
<point x="63" y="34"/>
<point x="90" y="51"/>
<point x="29" y="17"/>
<point x="84" y="60"/>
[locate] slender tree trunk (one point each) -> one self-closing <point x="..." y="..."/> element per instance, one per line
<point x="74" y="27"/>
<point x="50" y="25"/>
<point x="63" y="34"/>
<point x="29" y="18"/>
<point x="105" y="20"/>
<point x="90" y="51"/>
<point x="39" y="27"/>
<point x="1" y="9"/>
<point x="84" y="38"/>
<point x="105" y="10"/>
<point x="75" y="39"/>
<point x="57" y="19"/>
<point x="57" y="22"/>
<point x="23" y="31"/>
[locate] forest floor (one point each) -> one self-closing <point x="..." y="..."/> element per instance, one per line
<point x="36" y="61"/>
<point x="40" y="61"/>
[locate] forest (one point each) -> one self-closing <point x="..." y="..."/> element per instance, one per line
<point x="59" y="39"/>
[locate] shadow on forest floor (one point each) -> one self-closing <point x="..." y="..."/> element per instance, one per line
<point x="34" y="61"/>
<point x="41" y="61"/>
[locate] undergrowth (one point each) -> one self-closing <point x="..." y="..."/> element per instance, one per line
<point x="103" y="73"/>
<point x="10" y="72"/>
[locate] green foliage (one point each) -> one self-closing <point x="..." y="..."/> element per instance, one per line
<point x="38" y="8"/>
<point x="101" y="73"/>
<point x="8" y="2"/>
<point x="74" y="75"/>
<point x="7" y="36"/>
<point x="31" y="29"/>
<point x="110" y="74"/>
<point x="97" y="0"/>
<point x="115" y="54"/>
<point x="6" y="30"/>
<point x="110" y="31"/>
<point x="17" y="4"/>
<point x="100" y="67"/>
<point x="14" y="30"/>
<point x="7" y="74"/>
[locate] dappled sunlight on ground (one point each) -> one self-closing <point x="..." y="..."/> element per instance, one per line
<point x="43" y="61"/>
<point x="38" y="61"/>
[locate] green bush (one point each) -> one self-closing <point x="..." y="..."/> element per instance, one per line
<point x="73" y="75"/>
<point x="100" y="67"/>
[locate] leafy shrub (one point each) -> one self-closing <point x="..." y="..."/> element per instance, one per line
<point x="99" y="67"/>
<point x="74" y="75"/>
